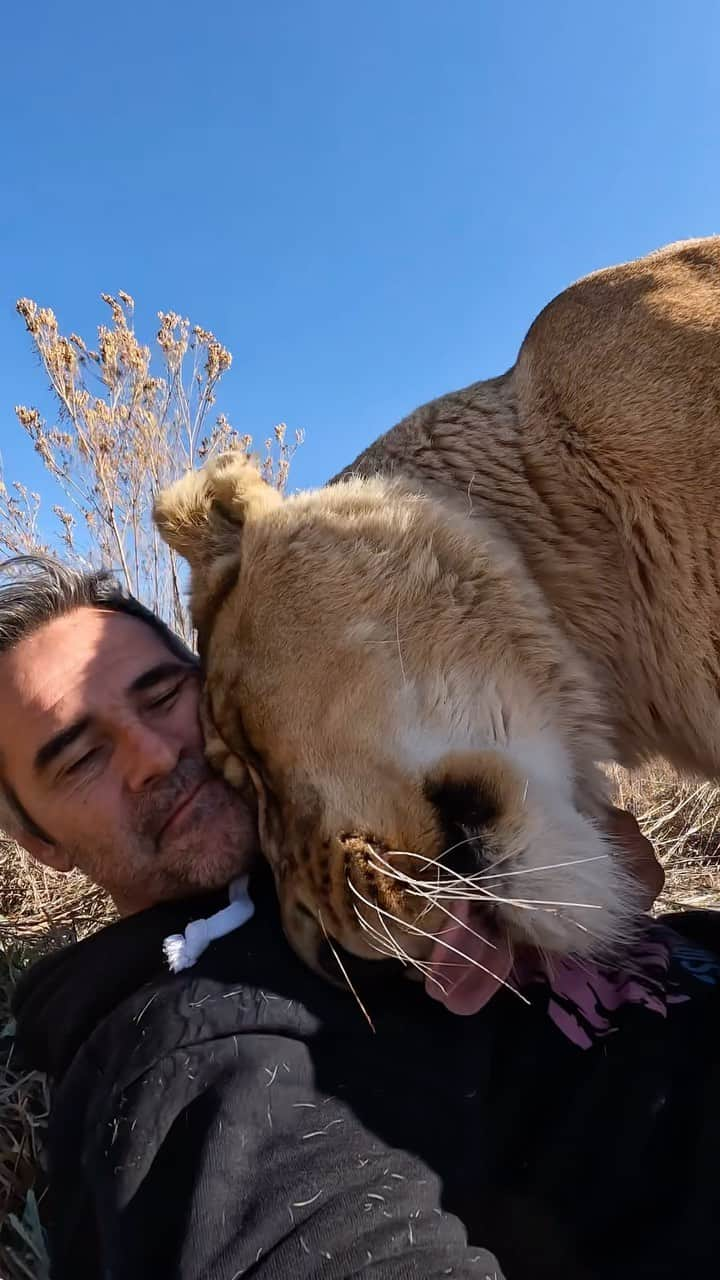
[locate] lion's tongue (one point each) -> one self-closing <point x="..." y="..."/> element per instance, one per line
<point x="467" y="986"/>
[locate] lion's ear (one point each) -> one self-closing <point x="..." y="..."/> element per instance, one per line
<point x="202" y="515"/>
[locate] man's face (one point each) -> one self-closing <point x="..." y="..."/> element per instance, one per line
<point x="100" y="741"/>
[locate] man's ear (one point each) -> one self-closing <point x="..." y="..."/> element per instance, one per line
<point x="28" y="833"/>
<point x="50" y="855"/>
<point x="201" y="516"/>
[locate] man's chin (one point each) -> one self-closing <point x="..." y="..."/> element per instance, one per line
<point x="203" y="871"/>
<point x="172" y="888"/>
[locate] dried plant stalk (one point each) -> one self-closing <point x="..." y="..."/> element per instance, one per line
<point x="123" y="432"/>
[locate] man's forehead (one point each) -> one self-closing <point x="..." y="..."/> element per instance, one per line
<point x="86" y="653"/>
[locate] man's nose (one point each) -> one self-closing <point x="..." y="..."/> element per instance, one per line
<point x="147" y="756"/>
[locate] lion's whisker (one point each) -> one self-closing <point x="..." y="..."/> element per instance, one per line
<point x="421" y="932"/>
<point x="478" y="891"/>
<point x="343" y="970"/>
<point x="433" y="901"/>
<point x="529" y="904"/>
<point x="397" y="639"/>
<point x="546" y="902"/>
<point x="379" y="943"/>
<point x="397" y="950"/>
<point x="423" y="968"/>
<point x="427" y="908"/>
<point x="492" y="875"/>
<point x="549" y="866"/>
<point x="422" y="886"/>
<point x="436" y="861"/>
<point x="465" y="925"/>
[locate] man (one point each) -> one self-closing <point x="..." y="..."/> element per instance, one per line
<point x="101" y="755"/>
<point x="242" y="1118"/>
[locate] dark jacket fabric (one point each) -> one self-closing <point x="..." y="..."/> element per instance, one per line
<point x="243" y="1119"/>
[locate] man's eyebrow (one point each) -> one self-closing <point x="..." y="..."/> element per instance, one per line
<point x="162" y="671"/>
<point x="56" y="745"/>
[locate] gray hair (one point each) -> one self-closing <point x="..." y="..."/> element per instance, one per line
<point x="36" y="589"/>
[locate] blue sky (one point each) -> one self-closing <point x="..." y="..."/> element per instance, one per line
<point x="368" y="203"/>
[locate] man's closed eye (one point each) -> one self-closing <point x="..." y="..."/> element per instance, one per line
<point x="166" y="698"/>
<point x="77" y="766"/>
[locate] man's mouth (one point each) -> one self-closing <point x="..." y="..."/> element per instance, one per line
<point x="180" y="808"/>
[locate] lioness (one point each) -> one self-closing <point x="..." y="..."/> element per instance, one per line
<point x="422" y="670"/>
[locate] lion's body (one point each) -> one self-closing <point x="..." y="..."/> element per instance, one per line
<point x="598" y="455"/>
<point x="400" y="668"/>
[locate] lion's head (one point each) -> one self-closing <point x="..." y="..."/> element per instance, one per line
<point x="422" y="739"/>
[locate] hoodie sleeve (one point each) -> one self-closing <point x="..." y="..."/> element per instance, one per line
<point x="225" y="1159"/>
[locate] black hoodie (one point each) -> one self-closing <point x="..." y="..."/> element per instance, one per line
<point x="242" y="1118"/>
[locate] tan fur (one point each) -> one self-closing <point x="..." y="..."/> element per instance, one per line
<point x="524" y="582"/>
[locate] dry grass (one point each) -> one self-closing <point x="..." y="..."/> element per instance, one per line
<point x="682" y="819"/>
<point x="130" y="418"/>
<point x="40" y="911"/>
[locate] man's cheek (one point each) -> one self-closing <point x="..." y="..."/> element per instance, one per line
<point x="187" y="724"/>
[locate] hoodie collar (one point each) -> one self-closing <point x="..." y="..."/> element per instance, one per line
<point x="62" y="997"/>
